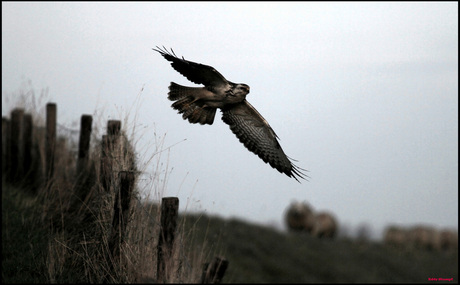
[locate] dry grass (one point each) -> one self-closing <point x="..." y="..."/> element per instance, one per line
<point x="75" y="211"/>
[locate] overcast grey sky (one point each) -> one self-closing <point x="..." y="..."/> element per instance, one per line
<point x="363" y="95"/>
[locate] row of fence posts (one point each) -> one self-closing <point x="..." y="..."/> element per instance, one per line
<point x="17" y="160"/>
<point x="18" y="145"/>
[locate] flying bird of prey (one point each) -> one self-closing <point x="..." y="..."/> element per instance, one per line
<point x="199" y="104"/>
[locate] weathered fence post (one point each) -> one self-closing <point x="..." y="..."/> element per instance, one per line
<point x="5" y="145"/>
<point x="121" y="212"/>
<point x="109" y="142"/>
<point x="50" y="140"/>
<point x="27" y="144"/>
<point x="169" y="213"/>
<point x="214" y="272"/>
<point x="83" y="144"/>
<point x="15" y="145"/>
<point x="106" y="167"/>
<point x="86" y="176"/>
<point x="113" y="127"/>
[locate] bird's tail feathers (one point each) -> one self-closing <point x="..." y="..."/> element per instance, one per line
<point x="191" y="109"/>
<point x="177" y="91"/>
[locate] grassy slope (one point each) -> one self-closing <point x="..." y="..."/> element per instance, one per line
<point x="256" y="254"/>
<point x="262" y="255"/>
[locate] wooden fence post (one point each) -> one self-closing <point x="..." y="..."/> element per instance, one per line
<point x="121" y="212"/>
<point x="5" y="144"/>
<point x="27" y="140"/>
<point x="15" y="145"/>
<point x="83" y="144"/>
<point x="109" y="142"/>
<point x="106" y="169"/>
<point x="214" y="272"/>
<point x="85" y="172"/>
<point x="50" y="139"/>
<point x="113" y="127"/>
<point x="169" y="213"/>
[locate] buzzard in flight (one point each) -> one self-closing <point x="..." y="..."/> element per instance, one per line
<point x="199" y="104"/>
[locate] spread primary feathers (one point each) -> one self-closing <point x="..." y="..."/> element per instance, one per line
<point x="199" y="104"/>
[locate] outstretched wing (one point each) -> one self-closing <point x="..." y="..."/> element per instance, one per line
<point x="196" y="72"/>
<point x="257" y="136"/>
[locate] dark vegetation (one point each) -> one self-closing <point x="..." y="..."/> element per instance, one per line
<point x="256" y="254"/>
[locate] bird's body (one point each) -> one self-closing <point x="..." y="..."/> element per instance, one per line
<point x="199" y="105"/>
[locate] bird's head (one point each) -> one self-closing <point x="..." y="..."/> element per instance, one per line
<point x="241" y="89"/>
